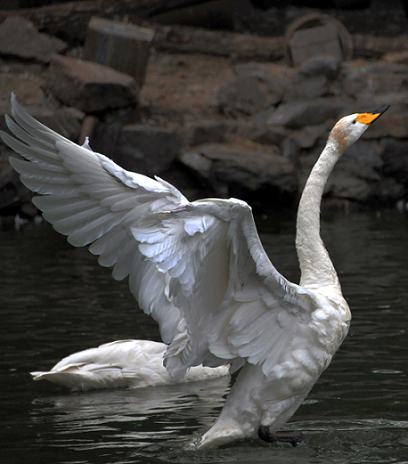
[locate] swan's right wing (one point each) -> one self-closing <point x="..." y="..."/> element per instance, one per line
<point x="95" y="202"/>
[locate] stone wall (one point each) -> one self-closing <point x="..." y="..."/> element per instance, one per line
<point x="255" y="134"/>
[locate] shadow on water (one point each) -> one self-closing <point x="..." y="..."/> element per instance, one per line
<point x="56" y="300"/>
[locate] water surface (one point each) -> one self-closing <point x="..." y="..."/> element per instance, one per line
<point x="55" y="300"/>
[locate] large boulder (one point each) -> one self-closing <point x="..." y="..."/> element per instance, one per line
<point x="19" y="37"/>
<point x="298" y="114"/>
<point x="393" y="124"/>
<point x="207" y="131"/>
<point x="395" y="158"/>
<point x="316" y="78"/>
<point x="147" y="150"/>
<point x="368" y="80"/>
<point x="240" y="170"/>
<point x="89" y="86"/>
<point x="250" y="94"/>
<point x="269" y="135"/>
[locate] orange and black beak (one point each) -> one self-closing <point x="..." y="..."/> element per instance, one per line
<point x="369" y="118"/>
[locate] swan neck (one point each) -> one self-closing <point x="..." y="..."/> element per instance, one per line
<point x="317" y="270"/>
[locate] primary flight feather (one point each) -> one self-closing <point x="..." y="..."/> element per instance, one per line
<point x="200" y="270"/>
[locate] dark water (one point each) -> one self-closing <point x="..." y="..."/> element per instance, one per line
<point x="55" y="300"/>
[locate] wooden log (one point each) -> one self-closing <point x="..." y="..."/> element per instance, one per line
<point x="69" y="21"/>
<point x="185" y="39"/>
<point x="121" y="46"/>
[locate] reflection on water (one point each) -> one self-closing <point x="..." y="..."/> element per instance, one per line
<point x="56" y="300"/>
<point x="130" y="419"/>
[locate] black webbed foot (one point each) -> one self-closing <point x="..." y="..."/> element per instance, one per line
<point x="293" y="438"/>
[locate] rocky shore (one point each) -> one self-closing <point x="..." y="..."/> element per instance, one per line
<point x="212" y="124"/>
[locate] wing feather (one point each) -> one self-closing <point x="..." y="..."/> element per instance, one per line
<point x="199" y="269"/>
<point x="95" y="202"/>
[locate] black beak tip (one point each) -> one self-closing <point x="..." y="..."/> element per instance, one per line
<point x="382" y="109"/>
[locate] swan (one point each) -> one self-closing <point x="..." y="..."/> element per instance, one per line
<point x="200" y="270"/>
<point x="123" y="363"/>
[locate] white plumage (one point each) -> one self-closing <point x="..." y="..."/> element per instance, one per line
<point x="199" y="269"/>
<point x="123" y="363"/>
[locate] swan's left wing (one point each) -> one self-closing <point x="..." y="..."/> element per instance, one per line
<point x="236" y="305"/>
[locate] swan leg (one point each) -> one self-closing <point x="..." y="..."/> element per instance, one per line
<point x="293" y="438"/>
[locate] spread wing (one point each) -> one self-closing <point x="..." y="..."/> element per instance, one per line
<point x="93" y="201"/>
<point x="198" y="268"/>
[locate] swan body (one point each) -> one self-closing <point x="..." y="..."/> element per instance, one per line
<point x="200" y="270"/>
<point x="123" y="363"/>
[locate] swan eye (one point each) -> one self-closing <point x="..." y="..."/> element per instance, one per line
<point x="354" y="121"/>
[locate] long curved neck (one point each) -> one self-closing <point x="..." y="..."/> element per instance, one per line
<point x="317" y="270"/>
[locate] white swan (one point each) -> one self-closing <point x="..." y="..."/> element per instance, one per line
<point x="123" y="363"/>
<point x="199" y="269"/>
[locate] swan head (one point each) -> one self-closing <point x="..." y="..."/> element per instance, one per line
<point x="350" y="128"/>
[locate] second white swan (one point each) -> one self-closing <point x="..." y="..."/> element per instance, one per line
<point x="120" y="364"/>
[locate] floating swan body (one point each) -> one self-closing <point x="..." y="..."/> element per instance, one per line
<point x="199" y="269"/>
<point x="123" y="363"/>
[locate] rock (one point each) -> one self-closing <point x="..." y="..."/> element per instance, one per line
<point x="202" y="132"/>
<point x="343" y="185"/>
<point x="269" y="135"/>
<point x="297" y="114"/>
<point x="88" y="86"/>
<point x="105" y="137"/>
<point x="395" y="158"/>
<point x="377" y="193"/>
<point x="242" y="169"/>
<point x="359" y="168"/>
<point x="366" y="153"/>
<point x="19" y="37"/>
<point x="263" y="116"/>
<point x="290" y="150"/>
<point x="369" y="80"/>
<point x="308" y="136"/>
<point x="394" y="124"/>
<point x="255" y="132"/>
<point x="147" y="150"/>
<point x="315" y="78"/>
<point x="250" y="94"/>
